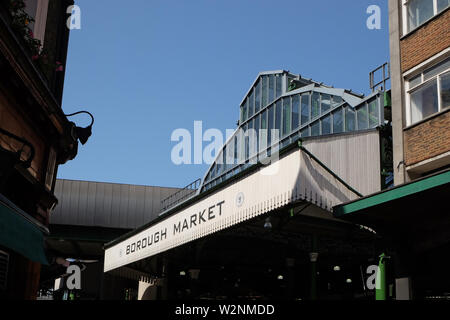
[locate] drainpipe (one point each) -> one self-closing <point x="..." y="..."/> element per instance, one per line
<point x="380" y="291"/>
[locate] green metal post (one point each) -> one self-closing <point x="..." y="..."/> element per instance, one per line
<point x="380" y="291"/>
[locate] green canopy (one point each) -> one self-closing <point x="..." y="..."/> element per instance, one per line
<point x="20" y="233"/>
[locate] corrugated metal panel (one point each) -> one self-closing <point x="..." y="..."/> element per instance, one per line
<point x="109" y="205"/>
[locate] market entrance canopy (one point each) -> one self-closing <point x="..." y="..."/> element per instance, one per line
<point x="413" y="211"/>
<point x="295" y="177"/>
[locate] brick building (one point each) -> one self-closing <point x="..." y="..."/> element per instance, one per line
<point x="35" y="136"/>
<point x="413" y="216"/>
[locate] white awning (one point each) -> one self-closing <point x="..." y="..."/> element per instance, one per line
<point x="354" y="157"/>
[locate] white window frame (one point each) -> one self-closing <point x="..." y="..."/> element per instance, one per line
<point x="409" y="90"/>
<point x="40" y="20"/>
<point x="406" y="18"/>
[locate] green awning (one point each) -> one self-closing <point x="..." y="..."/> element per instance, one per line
<point x="396" y="194"/>
<point x="20" y="233"/>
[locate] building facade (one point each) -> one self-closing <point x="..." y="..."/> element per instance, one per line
<point x="413" y="215"/>
<point x="35" y="136"/>
<point x="420" y="64"/>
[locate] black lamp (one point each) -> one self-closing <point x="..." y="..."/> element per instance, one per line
<point x="83" y="134"/>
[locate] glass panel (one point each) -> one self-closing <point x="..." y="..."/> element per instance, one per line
<point x="326" y="102"/>
<point x="361" y="114"/>
<point x="257" y="120"/>
<point x="315" y="105"/>
<point x="252" y="140"/>
<point x="251" y="104"/>
<point x="258" y="96"/>
<point x="213" y="171"/>
<point x="350" y="119"/>
<point x="373" y="114"/>
<point x="278" y="119"/>
<point x="247" y="140"/>
<point x="270" y="120"/>
<point x="263" y="133"/>
<point x="442" y="4"/>
<point x="326" y="125"/>
<point x="219" y="164"/>
<point x="424" y="101"/>
<point x="418" y="12"/>
<point x="305" y="108"/>
<point x="305" y="132"/>
<point x="295" y="112"/>
<point x="445" y="90"/>
<point x="415" y="81"/>
<point x="439" y="68"/>
<point x="265" y="91"/>
<point x="336" y="101"/>
<point x="279" y="78"/>
<point x="271" y="88"/>
<point x="338" y="126"/>
<point x="315" y="129"/>
<point x="286" y="116"/>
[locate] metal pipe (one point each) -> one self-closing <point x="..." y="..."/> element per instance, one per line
<point x="300" y="144"/>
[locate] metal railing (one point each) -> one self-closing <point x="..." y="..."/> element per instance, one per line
<point x="385" y="76"/>
<point x="180" y="195"/>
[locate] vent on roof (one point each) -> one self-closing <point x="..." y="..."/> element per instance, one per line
<point x="4" y="261"/>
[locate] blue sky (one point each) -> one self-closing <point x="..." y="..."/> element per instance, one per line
<point x="150" y="67"/>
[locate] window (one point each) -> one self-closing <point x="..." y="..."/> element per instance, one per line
<point x="279" y="78"/>
<point x="429" y="92"/>
<point x="251" y="104"/>
<point x="265" y="91"/>
<point x="326" y="102"/>
<point x="373" y="114"/>
<point x="442" y="4"/>
<point x="286" y="116"/>
<point x="305" y="132"/>
<point x="295" y="112"/>
<point x="263" y="131"/>
<point x="315" y="129"/>
<point x="336" y="101"/>
<point x="424" y="101"/>
<point x="419" y="11"/>
<point x="270" y="121"/>
<point x="271" y="88"/>
<point x="244" y="111"/>
<point x="349" y="119"/>
<point x="361" y="114"/>
<point x="256" y="126"/>
<point x="258" y="97"/>
<point x="305" y="108"/>
<point x="326" y="125"/>
<point x="315" y="105"/>
<point x="445" y="90"/>
<point x="337" y="121"/>
<point x="37" y="9"/>
<point x="277" y="120"/>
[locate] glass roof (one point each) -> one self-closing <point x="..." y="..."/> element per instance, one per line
<point x="281" y="107"/>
